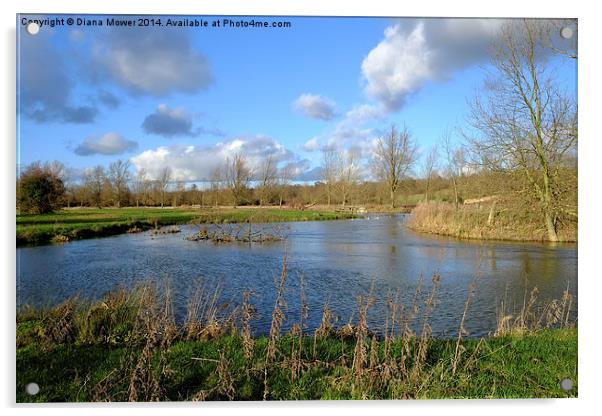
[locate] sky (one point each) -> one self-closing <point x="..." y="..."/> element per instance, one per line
<point x="192" y="97"/>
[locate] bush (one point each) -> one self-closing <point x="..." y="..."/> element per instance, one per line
<point x="39" y="190"/>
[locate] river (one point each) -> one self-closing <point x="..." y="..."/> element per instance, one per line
<point x="337" y="260"/>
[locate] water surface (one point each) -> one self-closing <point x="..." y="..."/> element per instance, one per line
<point x="337" y="260"/>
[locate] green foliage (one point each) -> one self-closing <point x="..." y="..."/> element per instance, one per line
<point x="39" y="190"/>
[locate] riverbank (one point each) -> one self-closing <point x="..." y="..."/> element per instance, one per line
<point x="75" y="224"/>
<point x="128" y="347"/>
<point x="475" y="222"/>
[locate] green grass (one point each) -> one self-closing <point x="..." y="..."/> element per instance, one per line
<point x="128" y="347"/>
<point x="76" y="224"/>
<point x="529" y="365"/>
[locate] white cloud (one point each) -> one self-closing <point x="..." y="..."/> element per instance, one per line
<point x="108" y="145"/>
<point x="311" y="145"/>
<point x="363" y="113"/>
<point x="315" y="106"/>
<point x="412" y="54"/>
<point x="195" y="163"/>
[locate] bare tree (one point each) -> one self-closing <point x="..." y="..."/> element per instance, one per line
<point x="163" y="181"/>
<point x="119" y="176"/>
<point x="94" y="181"/>
<point x="141" y="186"/>
<point x="394" y="156"/>
<point x="347" y="175"/>
<point x="331" y="163"/>
<point x="58" y="169"/>
<point x="178" y="195"/>
<point x="285" y="175"/>
<point x="216" y="183"/>
<point x="238" y="176"/>
<point x="455" y="162"/>
<point x="267" y="179"/>
<point x="428" y="169"/>
<point x="526" y="122"/>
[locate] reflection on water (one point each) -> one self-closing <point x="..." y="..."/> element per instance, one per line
<point x="338" y="261"/>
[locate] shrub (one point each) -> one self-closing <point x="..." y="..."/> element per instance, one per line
<point x="40" y="190"/>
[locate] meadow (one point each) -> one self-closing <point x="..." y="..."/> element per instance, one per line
<point x="74" y="224"/>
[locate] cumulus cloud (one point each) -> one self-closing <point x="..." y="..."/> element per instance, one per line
<point x="168" y="122"/>
<point x="315" y="106"/>
<point x="108" y="145"/>
<point x="152" y="62"/>
<point x="413" y="53"/>
<point x="195" y="163"/>
<point x="45" y="87"/>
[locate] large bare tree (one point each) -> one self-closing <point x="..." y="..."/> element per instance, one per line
<point x="119" y="176"/>
<point x="394" y="156"/>
<point x="216" y="183"/>
<point x="285" y="175"/>
<point x="429" y="168"/>
<point x="330" y="168"/>
<point x="94" y="181"/>
<point x="455" y="162"/>
<point x="525" y="120"/>
<point x="348" y="175"/>
<point x="268" y="175"/>
<point x="141" y="186"/>
<point x="165" y="176"/>
<point x="238" y="176"/>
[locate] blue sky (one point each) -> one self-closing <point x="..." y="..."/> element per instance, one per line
<point x="189" y="98"/>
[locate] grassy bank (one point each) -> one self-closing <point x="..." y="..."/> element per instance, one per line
<point x="74" y="224"/>
<point x="474" y="222"/>
<point x="529" y="365"/>
<point x="128" y="347"/>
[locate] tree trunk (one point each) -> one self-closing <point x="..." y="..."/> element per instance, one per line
<point x="456" y="199"/>
<point x="491" y="213"/>
<point x="551" y="226"/>
<point x="392" y="199"/>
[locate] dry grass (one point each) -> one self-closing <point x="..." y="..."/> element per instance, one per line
<point x="474" y="222"/>
<point x="534" y="315"/>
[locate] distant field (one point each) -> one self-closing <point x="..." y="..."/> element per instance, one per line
<point x="73" y="224"/>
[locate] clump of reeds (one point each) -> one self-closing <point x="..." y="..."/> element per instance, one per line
<point x="533" y="315"/>
<point x="278" y="315"/>
<point x="202" y="321"/>
<point x="246" y="315"/>
<point x="361" y="333"/>
<point x="59" y="322"/>
<point x="461" y="330"/>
